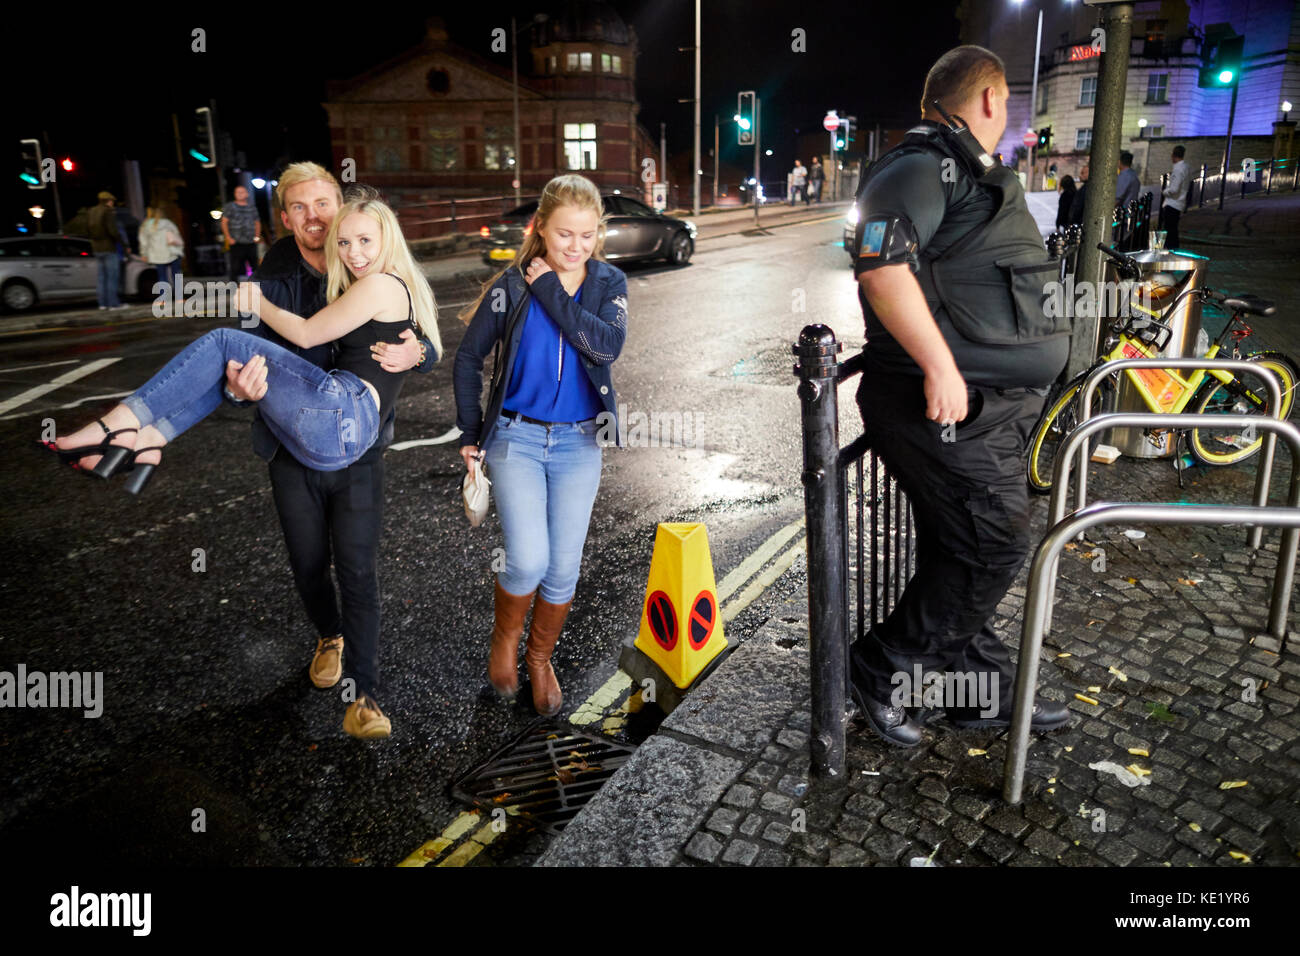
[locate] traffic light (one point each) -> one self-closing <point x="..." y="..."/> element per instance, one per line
<point x="745" y="118"/>
<point x="205" y="142"/>
<point x="1223" y="70"/>
<point x="1045" y="138"/>
<point x="68" y="165"/>
<point x="32" y="163"/>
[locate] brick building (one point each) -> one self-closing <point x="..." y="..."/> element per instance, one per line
<point x="437" y="122"/>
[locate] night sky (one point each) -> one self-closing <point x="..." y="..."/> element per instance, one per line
<point x="103" y="85"/>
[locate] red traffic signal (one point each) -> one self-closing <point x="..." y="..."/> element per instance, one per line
<point x="68" y="165"/>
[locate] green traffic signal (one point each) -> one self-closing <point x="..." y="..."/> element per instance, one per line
<point x="199" y="156"/>
<point x="29" y="179"/>
<point x="1225" y="77"/>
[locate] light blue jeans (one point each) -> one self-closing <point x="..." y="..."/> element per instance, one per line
<point x="326" y="420"/>
<point x="545" y="480"/>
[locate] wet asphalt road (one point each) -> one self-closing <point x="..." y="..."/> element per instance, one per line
<point x="207" y="704"/>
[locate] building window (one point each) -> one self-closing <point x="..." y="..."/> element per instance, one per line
<point x="1083" y="139"/>
<point x="1157" y="87"/>
<point x="438" y="81"/>
<point x="498" y="150"/>
<point x="388" y="159"/>
<point x="1042" y="98"/>
<point x="444" y="151"/>
<point x="1156" y="30"/>
<point x="580" y="145"/>
<point x="1088" y="91"/>
<point x="618" y="64"/>
<point x="584" y="62"/>
<point x="1155" y="131"/>
<point x="555" y="64"/>
<point x="606" y="65"/>
<point x="572" y="63"/>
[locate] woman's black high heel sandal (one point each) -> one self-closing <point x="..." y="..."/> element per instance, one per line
<point x="112" y="457"/>
<point x="139" y="473"/>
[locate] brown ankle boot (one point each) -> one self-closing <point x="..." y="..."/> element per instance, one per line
<point x="503" y="659"/>
<point x="548" y="619"/>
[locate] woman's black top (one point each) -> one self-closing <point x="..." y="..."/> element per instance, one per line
<point x="354" y="354"/>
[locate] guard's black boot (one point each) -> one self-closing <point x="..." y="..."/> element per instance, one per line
<point x="892" y="724"/>
<point x="1047" y="715"/>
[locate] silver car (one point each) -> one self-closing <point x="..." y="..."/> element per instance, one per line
<point x="40" y="269"/>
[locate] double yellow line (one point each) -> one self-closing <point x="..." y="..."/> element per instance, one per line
<point x="618" y="693"/>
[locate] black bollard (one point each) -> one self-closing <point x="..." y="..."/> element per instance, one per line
<point x="825" y="521"/>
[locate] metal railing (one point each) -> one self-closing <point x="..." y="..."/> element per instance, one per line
<point x="886" y="564"/>
<point x="1089" y="388"/>
<point x="1270" y="174"/>
<point x="1042" y="580"/>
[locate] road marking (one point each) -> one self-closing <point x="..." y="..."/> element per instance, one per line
<point x="22" y="398"/>
<point x="450" y="435"/>
<point x="85" y="328"/>
<point x="58" y="408"/>
<point x="762" y="583"/>
<point x="593" y="708"/>
<point x="25" y="368"/>
<point x="596" y="707"/>
<point x="755" y="561"/>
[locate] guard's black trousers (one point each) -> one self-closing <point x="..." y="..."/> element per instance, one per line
<point x="970" y="508"/>
<point x="338" y="515"/>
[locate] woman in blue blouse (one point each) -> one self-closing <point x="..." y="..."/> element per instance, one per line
<point x="556" y="319"/>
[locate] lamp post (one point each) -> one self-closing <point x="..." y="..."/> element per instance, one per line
<point x="1033" y="96"/>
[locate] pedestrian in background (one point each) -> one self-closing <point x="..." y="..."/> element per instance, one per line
<point x="1076" y="205"/>
<point x="109" y="243"/>
<point x="798" y="182"/>
<point x="242" y="227"/>
<point x="1127" y="184"/>
<point x="1174" y="203"/>
<point x="161" y="244"/>
<point x="1066" y="201"/>
<point x="557" y="318"/>
<point x="816" y="176"/>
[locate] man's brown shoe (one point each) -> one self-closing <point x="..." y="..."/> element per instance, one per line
<point x="548" y="620"/>
<point x="503" y="659"/>
<point x="327" y="664"/>
<point x="364" y="719"/>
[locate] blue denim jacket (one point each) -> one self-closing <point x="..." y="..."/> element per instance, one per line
<point x="597" y="335"/>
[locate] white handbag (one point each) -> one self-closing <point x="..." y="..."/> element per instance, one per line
<point x="474" y="490"/>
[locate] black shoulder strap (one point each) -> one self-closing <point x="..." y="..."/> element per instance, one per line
<point x="410" y="304"/>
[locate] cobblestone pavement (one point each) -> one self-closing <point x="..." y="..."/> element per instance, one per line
<point x="1167" y="635"/>
<point x="1168" y="641"/>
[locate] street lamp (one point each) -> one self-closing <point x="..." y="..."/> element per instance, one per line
<point x="1142" y="125"/>
<point x="1286" y="108"/>
<point x="1033" y="91"/>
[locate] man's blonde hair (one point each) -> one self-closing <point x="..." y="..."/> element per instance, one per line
<point x="298" y="173"/>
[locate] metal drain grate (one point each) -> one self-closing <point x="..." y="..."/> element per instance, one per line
<point x="547" y="773"/>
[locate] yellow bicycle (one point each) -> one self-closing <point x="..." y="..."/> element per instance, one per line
<point x="1205" y="391"/>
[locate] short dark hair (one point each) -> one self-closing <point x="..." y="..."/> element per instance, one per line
<point x="1126" y="157"/>
<point x="1179" y="152"/>
<point x="961" y="74"/>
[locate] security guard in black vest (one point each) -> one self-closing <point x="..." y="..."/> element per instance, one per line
<point x="952" y="273"/>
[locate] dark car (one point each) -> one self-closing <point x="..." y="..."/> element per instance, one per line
<point x="633" y="231"/>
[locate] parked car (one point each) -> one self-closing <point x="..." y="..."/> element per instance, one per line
<point x="37" y="269"/>
<point x="633" y="231"/>
<point x="850" y="230"/>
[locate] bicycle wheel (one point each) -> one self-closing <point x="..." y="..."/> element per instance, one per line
<point x="1227" y="446"/>
<point x="1059" y="417"/>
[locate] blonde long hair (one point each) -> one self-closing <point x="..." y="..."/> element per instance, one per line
<point x="394" y="256"/>
<point x="568" y="190"/>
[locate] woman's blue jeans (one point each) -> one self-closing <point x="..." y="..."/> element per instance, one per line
<point x="545" y="480"/>
<point x="326" y="420"/>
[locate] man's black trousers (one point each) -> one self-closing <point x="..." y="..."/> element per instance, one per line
<point x="1169" y="218"/>
<point x="970" y="507"/>
<point x="338" y="513"/>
